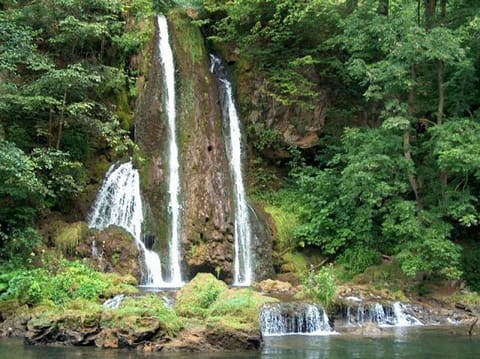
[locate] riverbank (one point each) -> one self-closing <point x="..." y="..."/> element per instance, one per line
<point x="208" y="316"/>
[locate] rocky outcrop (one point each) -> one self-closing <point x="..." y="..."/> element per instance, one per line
<point x="261" y="244"/>
<point x="207" y="239"/>
<point x="290" y="124"/>
<point x="276" y="288"/>
<point x="69" y="328"/>
<point x="208" y="316"/>
<point x="87" y="329"/>
<point x="110" y="250"/>
<point x="207" y="210"/>
<point x="151" y="134"/>
<point x="116" y="251"/>
<point x="201" y="339"/>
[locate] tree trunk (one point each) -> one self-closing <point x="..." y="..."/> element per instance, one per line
<point x="430" y="9"/>
<point x="351" y="5"/>
<point x="61" y="120"/>
<point x="383" y="6"/>
<point x="441" y="91"/>
<point x="440" y="110"/>
<point x="50" y="127"/>
<point x="419" y="17"/>
<point x="411" y="176"/>
<point x="443" y="9"/>
<point x="406" y="141"/>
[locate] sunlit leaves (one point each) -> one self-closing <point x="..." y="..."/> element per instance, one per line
<point x="456" y="147"/>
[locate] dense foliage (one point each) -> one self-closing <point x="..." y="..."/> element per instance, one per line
<point x="65" y="84"/>
<point x="397" y="172"/>
<point x="59" y="283"/>
<point x="403" y="180"/>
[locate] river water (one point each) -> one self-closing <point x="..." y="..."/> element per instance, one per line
<point x="398" y="343"/>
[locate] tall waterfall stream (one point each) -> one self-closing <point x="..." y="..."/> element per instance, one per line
<point x="174" y="208"/>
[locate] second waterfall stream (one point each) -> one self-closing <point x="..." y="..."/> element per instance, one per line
<point x="243" y="234"/>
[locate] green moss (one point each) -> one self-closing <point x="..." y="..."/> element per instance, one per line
<point x="126" y="284"/>
<point x="68" y="238"/>
<point x="294" y="262"/>
<point x="195" y="298"/>
<point x="209" y="300"/>
<point x="138" y="313"/>
<point x="471" y="299"/>
<point x="187" y="129"/>
<point x="238" y="309"/>
<point x="124" y="111"/>
<point x="9" y="306"/>
<point x="285" y="223"/>
<point x="192" y="40"/>
<point x="228" y="323"/>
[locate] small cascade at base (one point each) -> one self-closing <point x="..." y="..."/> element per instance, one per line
<point x="389" y="314"/>
<point x="119" y="203"/>
<point x="115" y="302"/>
<point x="243" y="235"/>
<point x="166" y="59"/>
<point x="294" y="319"/>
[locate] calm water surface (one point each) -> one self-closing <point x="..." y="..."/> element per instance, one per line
<point x="400" y="343"/>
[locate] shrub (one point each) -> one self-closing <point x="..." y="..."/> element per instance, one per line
<point x="72" y="280"/>
<point x="357" y="259"/>
<point x="470" y="266"/>
<point x="196" y="297"/>
<point x="321" y="286"/>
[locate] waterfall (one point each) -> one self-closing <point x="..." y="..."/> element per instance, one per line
<point x="115" y="302"/>
<point x="119" y="203"/>
<point x="294" y="318"/>
<point x="243" y="234"/>
<point x="394" y="314"/>
<point x="174" y="208"/>
<point x="402" y="317"/>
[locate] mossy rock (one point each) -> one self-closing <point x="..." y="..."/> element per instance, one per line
<point x="294" y="262"/>
<point x="238" y="309"/>
<point x="9" y="306"/>
<point x="69" y="236"/>
<point x="73" y="326"/>
<point x="195" y="298"/>
<point x="117" y="249"/>
<point x="148" y="313"/>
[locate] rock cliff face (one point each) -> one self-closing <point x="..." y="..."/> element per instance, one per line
<point x="207" y="208"/>
<point x="152" y="138"/>
<point x="294" y="124"/>
<point x="207" y="239"/>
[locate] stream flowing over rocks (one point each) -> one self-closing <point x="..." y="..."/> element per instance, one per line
<point x="214" y="317"/>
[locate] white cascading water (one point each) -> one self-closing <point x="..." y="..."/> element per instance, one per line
<point x="243" y="235"/>
<point x="119" y="203"/>
<point x="403" y="319"/>
<point x="380" y="314"/>
<point x="166" y="57"/>
<point x="294" y="319"/>
<point x="115" y="302"/>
